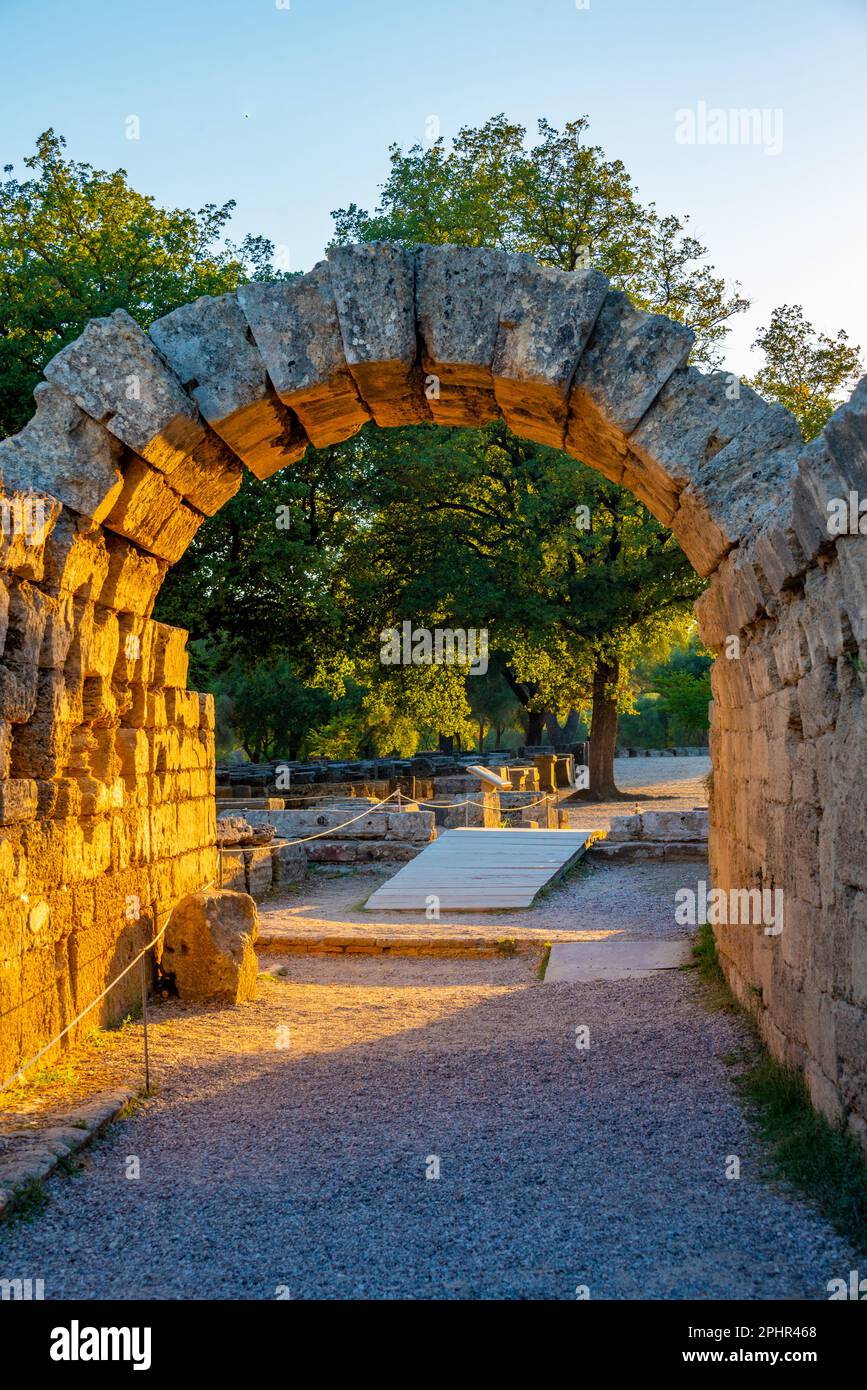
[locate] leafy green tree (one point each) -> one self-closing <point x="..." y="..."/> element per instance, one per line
<point x="805" y="370"/>
<point x="78" y="242"/>
<point x="479" y="529"/>
<point x="272" y="711"/>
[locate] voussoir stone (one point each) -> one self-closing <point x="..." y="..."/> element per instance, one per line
<point x="297" y="331"/>
<point x="628" y="360"/>
<point x="546" y="318"/>
<point x="208" y="345"/>
<point x="209" y="945"/>
<point x="115" y="373"/>
<point x="63" y="451"/>
<point x="459" y="292"/>
<point x="374" y="289"/>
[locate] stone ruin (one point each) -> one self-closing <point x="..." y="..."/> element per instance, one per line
<point x="107" y="813"/>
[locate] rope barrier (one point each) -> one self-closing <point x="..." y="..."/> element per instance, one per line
<point x="330" y="830"/>
<point x="99" y="998"/>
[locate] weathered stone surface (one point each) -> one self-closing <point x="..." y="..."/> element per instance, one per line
<point x="209" y="476"/>
<point x="374" y="289"/>
<point x="288" y="865"/>
<point x="63" y="452"/>
<point x="459" y="292"/>
<point x="209" y="346"/>
<point x="297" y="331"/>
<point x="546" y="319"/>
<point x="117" y="376"/>
<point x="696" y="416"/>
<point x="150" y="512"/>
<point x="628" y="360"/>
<point x="209" y="945"/>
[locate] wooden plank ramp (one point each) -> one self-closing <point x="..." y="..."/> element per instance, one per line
<point x="477" y="870"/>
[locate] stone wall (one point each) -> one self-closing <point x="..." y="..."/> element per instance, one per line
<point x="106" y="761"/>
<point x="789" y="743"/>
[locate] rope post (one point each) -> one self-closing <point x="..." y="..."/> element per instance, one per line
<point x="144" y="1015"/>
<point x="399" y="799"/>
<point x="467" y="812"/>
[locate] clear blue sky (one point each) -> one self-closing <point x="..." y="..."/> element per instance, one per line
<point x="291" y="110"/>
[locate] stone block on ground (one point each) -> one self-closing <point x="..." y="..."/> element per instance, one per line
<point x="209" y="946"/>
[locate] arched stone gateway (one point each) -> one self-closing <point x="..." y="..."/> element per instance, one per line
<point x="107" y="760"/>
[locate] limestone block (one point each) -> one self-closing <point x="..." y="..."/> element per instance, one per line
<point x="737" y="489"/>
<point x="832" y="466"/>
<point x="419" y="826"/>
<point x="209" y="476"/>
<point x="206" y="712"/>
<point x="374" y="289"/>
<point x="114" y="372"/>
<point x="852" y="560"/>
<point x="24" y="632"/>
<point x="459" y="292"/>
<point x="182" y="707"/>
<point x="171" y="662"/>
<point x="628" y="360"/>
<point x="164" y="830"/>
<point x="288" y="865"/>
<point x="234" y="873"/>
<point x="151" y="513"/>
<point x="209" y="946"/>
<point x="258" y="868"/>
<point x="546" y="319"/>
<point x="694" y="417"/>
<point x="63" y="452"/>
<point x="209" y="346"/>
<point x="17" y="801"/>
<point x="132" y="579"/>
<point x="27" y="518"/>
<point x="297" y="331"/>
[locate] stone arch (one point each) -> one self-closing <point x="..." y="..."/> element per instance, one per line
<point x="138" y="437"/>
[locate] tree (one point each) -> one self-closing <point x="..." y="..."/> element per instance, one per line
<point x="272" y="710"/>
<point x="805" y="370"/>
<point x="78" y="242"/>
<point x="477" y="529"/>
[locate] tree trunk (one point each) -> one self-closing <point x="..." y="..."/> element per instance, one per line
<point x="535" y="725"/>
<point x="447" y="744"/>
<point x="603" y="732"/>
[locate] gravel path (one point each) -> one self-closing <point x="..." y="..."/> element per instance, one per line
<point x="304" y="1167"/>
<point x="657" y="784"/>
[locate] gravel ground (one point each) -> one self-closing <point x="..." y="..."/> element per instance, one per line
<point x="304" y="1167"/>
<point x="650" y="784"/>
<point x="610" y="899"/>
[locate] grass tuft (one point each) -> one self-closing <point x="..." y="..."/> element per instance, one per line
<point x="29" y="1200"/>
<point x="543" y="960"/>
<point x="823" y="1161"/>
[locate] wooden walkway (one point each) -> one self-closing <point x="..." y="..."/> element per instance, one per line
<point x="479" y="870"/>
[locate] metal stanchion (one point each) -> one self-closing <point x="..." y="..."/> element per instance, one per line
<point x="144" y="1015"/>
